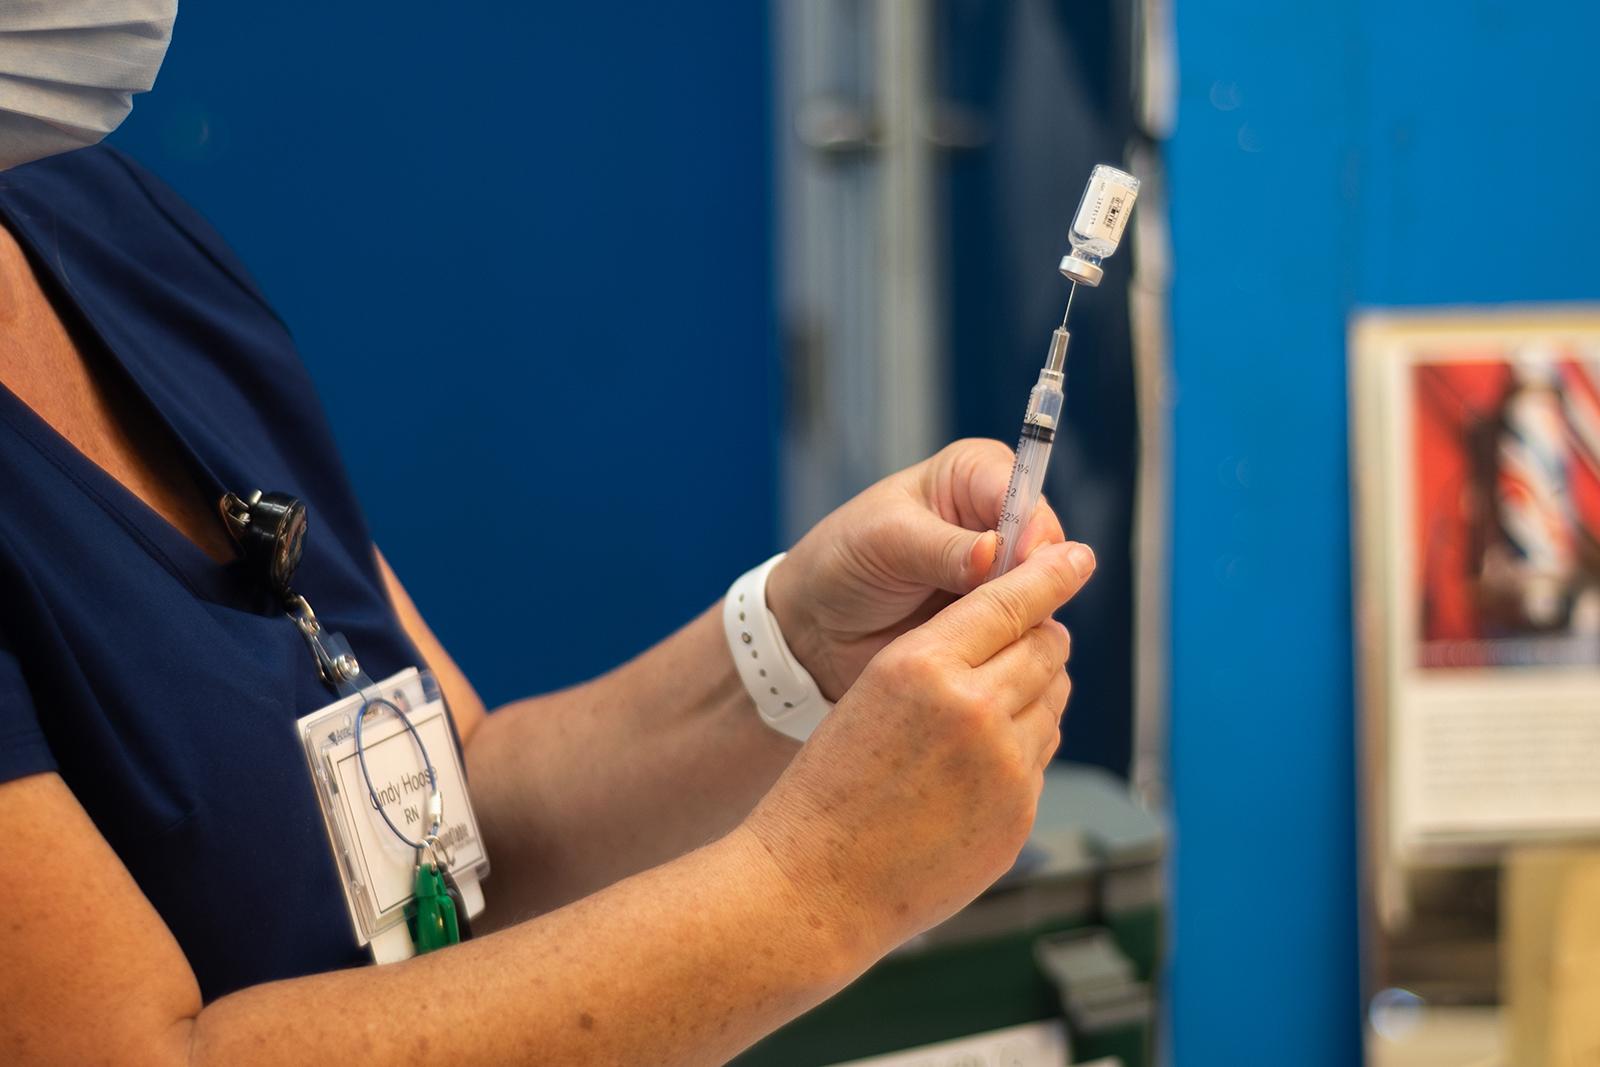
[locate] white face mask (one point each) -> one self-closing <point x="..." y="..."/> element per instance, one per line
<point x="69" y="69"/>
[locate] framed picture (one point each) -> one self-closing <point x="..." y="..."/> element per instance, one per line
<point x="1475" y="465"/>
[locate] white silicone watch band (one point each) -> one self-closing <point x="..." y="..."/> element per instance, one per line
<point x="784" y="692"/>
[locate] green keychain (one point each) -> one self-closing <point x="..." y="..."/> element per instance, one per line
<point x="432" y="915"/>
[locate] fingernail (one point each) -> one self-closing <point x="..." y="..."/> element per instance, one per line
<point x="1082" y="559"/>
<point x="973" y="570"/>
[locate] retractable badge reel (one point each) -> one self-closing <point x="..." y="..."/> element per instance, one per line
<point x="384" y="764"/>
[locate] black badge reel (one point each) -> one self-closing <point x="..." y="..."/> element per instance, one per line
<point x="270" y="530"/>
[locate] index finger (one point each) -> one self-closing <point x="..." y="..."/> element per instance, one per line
<point x="998" y="612"/>
<point x="980" y="472"/>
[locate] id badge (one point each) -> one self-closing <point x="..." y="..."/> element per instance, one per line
<point x="367" y="810"/>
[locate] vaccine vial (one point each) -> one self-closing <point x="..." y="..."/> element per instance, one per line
<point x="1097" y="227"/>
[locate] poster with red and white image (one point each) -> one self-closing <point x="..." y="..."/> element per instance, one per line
<point x="1476" y="470"/>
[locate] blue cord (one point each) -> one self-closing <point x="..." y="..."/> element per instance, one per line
<point x="372" y="794"/>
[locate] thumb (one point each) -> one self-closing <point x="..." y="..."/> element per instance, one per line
<point x="943" y="555"/>
<point x="983" y="622"/>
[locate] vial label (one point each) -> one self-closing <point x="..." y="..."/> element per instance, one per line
<point x="1104" y="212"/>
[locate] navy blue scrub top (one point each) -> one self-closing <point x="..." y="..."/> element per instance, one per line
<point x="162" y="686"/>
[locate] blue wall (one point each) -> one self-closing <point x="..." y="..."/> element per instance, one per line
<point x="1327" y="157"/>
<point x="542" y="231"/>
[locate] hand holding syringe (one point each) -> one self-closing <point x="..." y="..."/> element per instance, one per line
<point x="1096" y="230"/>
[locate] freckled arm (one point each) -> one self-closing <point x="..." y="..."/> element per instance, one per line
<point x="684" y="964"/>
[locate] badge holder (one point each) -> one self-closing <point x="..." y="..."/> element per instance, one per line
<point x="399" y="843"/>
<point x="384" y="765"/>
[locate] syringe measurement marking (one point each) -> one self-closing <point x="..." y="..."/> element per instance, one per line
<point x="1008" y="509"/>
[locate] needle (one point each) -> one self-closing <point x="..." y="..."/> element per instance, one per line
<point x="1070" y="294"/>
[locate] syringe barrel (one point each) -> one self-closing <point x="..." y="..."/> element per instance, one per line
<point x="1027" y="474"/>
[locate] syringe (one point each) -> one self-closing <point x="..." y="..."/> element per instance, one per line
<point x="1096" y="229"/>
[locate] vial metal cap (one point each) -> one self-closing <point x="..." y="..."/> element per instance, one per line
<point x="1081" y="270"/>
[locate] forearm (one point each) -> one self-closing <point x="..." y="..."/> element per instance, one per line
<point x="684" y="964"/>
<point x="579" y="788"/>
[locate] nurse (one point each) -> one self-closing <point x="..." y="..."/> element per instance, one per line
<point x="170" y="895"/>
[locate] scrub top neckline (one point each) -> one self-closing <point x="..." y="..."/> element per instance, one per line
<point x="228" y="582"/>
